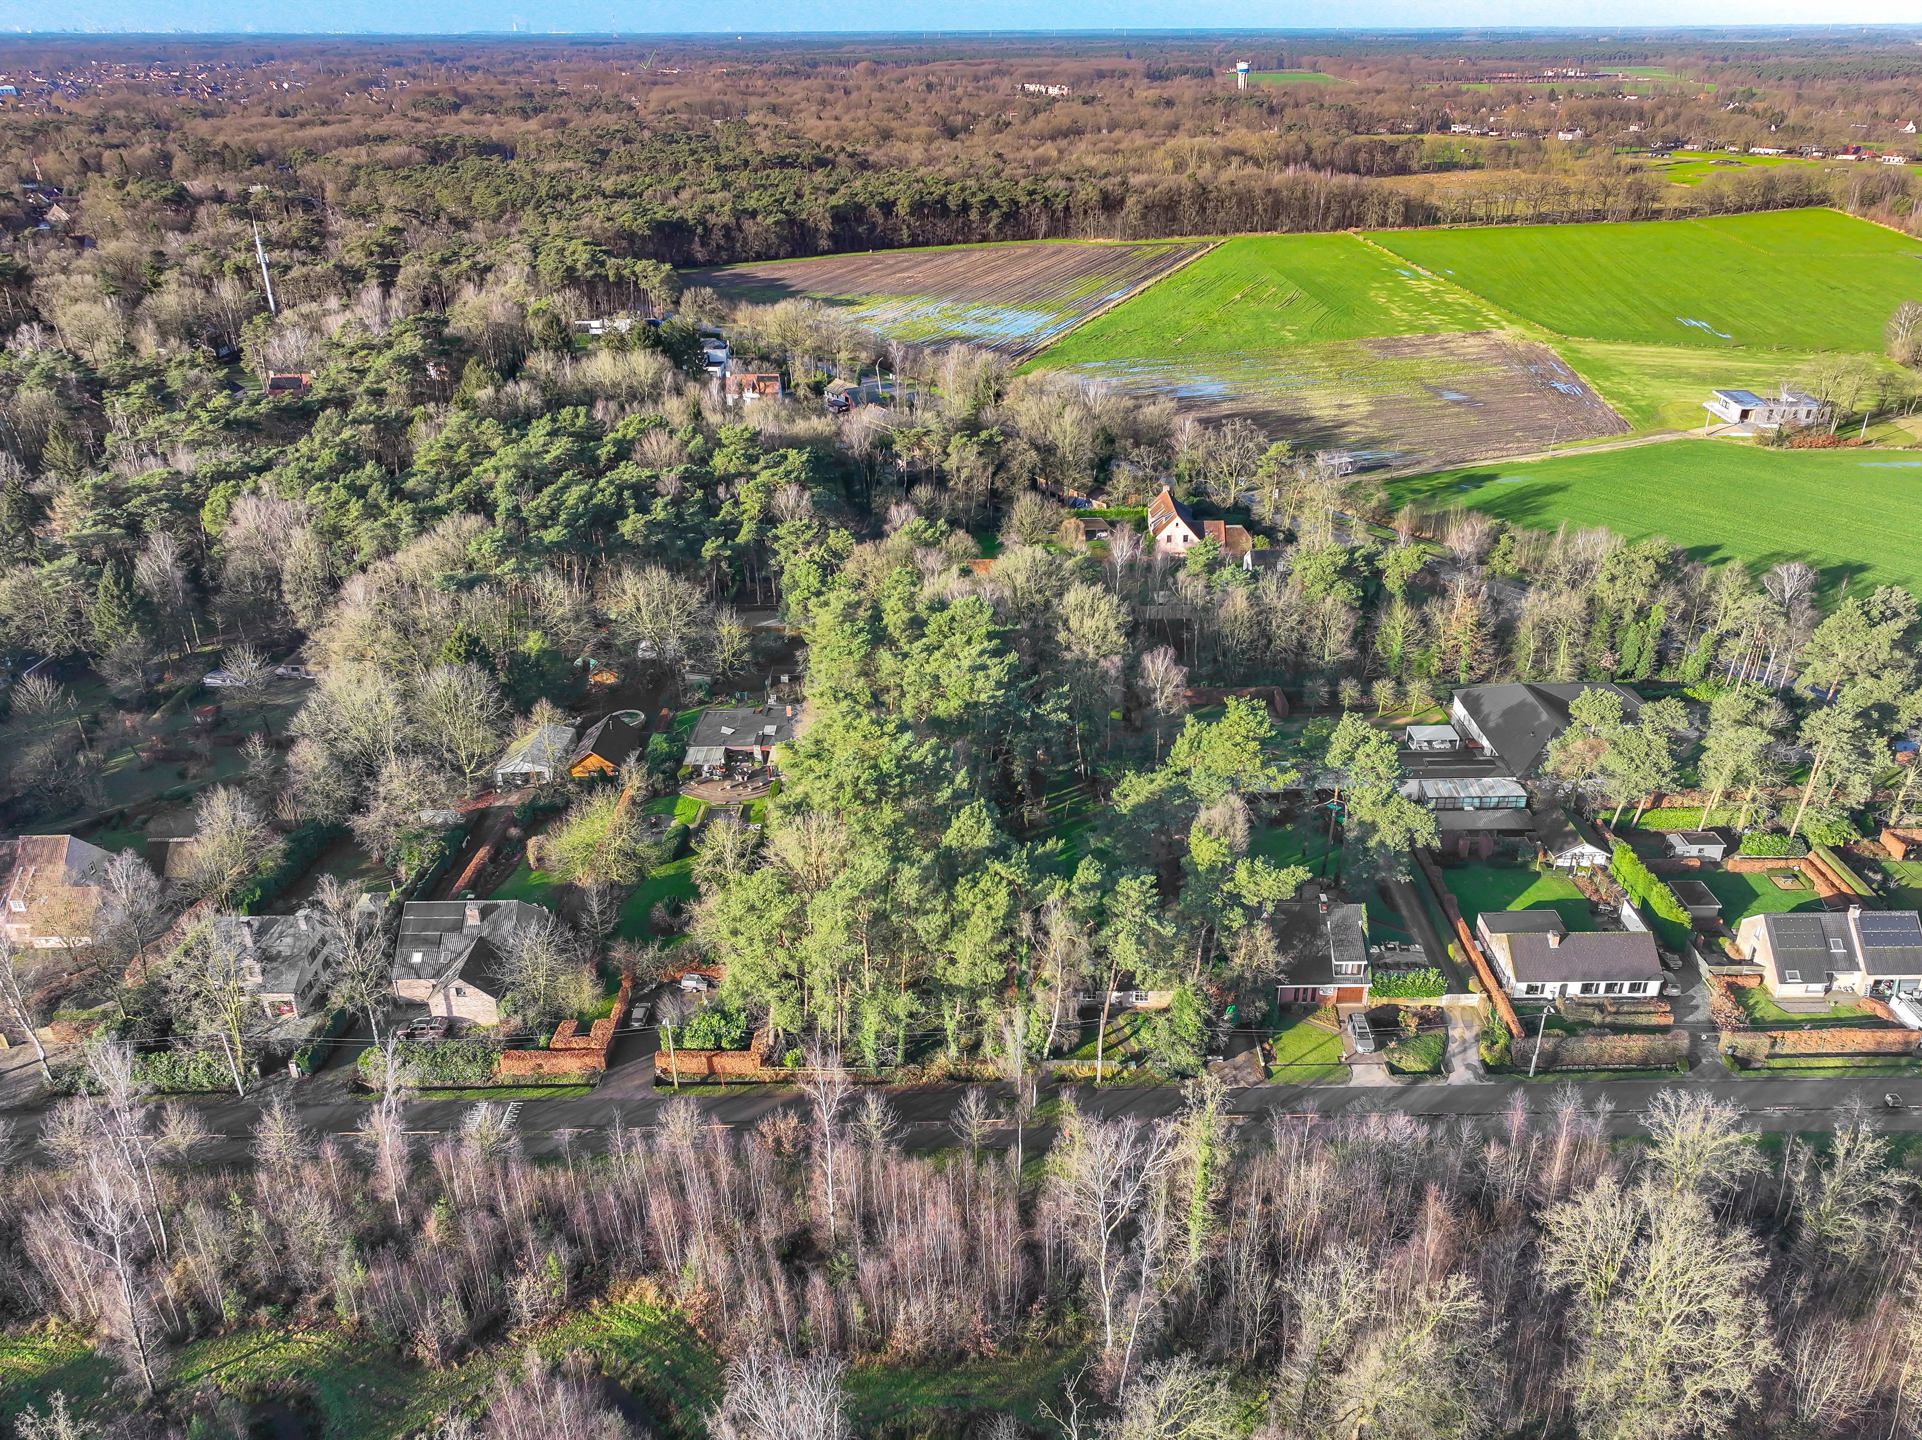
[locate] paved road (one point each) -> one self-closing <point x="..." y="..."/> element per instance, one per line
<point x="1776" y="1103"/>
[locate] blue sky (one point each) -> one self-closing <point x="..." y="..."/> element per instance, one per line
<point x="759" y="16"/>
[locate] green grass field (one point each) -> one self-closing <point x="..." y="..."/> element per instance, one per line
<point x="1295" y="77"/>
<point x="1262" y="293"/>
<point x="1488" y="886"/>
<point x="1304" y="1053"/>
<point x="1835" y="509"/>
<point x="1797" y="279"/>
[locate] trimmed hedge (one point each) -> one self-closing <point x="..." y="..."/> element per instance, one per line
<point x="1686" y="817"/>
<point x="303" y="845"/>
<point x="1423" y="984"/>
<point x="184" y="1072"/>
<point x="460" y="1064"/>
<point x="1767" y="844"/>
<point x="718" y="1026"/>
<point x="1651" y="895"/>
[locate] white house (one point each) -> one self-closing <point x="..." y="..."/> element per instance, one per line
<point x="1567" y="843"/>
<point x="1539" y="958"/>
<point x="1805" y="955"/>
<point x="1172" y="525"/>
<point x="1752" y="414"/>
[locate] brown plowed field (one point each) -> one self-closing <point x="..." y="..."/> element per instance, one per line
<point x="1013" y="299"/>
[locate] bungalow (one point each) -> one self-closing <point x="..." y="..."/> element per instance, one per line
<point x="288" y="960"/>
<point x="1514" y="724"/>
<point x="53" y="892"/>
<point x="609" y="745"/>
<point x="1752" y="414"/>
<point x="1569" y="844"/>
<point x="1696" y="845"/>
<point x="534" y="759"/>
<point x="450" y="952"/>
<point x="750" y="735"/>
<point x="1861" y="952"/>
<point x="1540" y="959"/>
<point x="1327" y="948"/>
<point x="288" y="384"/>
<point x="1080" y="529"/>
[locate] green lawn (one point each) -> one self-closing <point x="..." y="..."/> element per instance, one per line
<point x="882" y="1395"/>
<point x="1801" y="279"/>
<point x="1761" y="1009"/>
<point x="685" y="809"/>
<point x="1830" y="508"/>
<point x="1127" y="1042"/>
<point x="1754" y="892"/>
<point x="1260" y="294"/>
<point x="1421" y="1055"/>
<point x="1303" y="841"/>
<point x="673" y="881"/>
<point x="1304" y="1053"/>
<point x="1492" y="887"/>
<point x="1907" y="875"/>
<point x="1662" y="387"/>
<point x="537" y="887"/>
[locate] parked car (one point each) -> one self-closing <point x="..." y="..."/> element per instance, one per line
<point x="1670" y="960"/>
<point x="694" y="980"/>
<point x="428" y="1027"/>
<point x="1364" y="1034"/>
<point x="1670" y="988"/>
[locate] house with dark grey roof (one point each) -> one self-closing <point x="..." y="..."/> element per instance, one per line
<point x="610" y="745"/>
<point x="1540" y="958"/>
<point x="448" y="954"/>
<point x="1568" y="844"/>
<point x="288" y="960"/>
<point x="1516" y="723"/>
<point x="742" y="735"/>
<point x="1808" y="954"/>
<point x="1325" y="945"/>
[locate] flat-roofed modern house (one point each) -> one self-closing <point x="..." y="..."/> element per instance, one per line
<point x="1806" y="955"/>
<point x="1696" y="844"/>
<point x="1539" y="958"/>
<point x="1514" y="724"/>
<point x="1753" y="414"/>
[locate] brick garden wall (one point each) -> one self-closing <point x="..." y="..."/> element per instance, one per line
<point x="570" y="1056"/>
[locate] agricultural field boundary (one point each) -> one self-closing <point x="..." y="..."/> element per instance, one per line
<point x="1207" y="247"/>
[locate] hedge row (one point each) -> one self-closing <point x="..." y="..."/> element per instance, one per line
<point x="461" y="1064"/>
<point x="1651" y="895"/>
<point x="1423" y="984"/>
<point x="1767" y="844"/>
<point x="313" y="1051"/>
<point x="184" y="1071"/>
<point x="1686" y="817"/>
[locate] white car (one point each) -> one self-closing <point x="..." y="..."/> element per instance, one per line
<point x="696" y="981"/>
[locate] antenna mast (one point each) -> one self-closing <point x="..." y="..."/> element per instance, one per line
<point x="265" y="279"/>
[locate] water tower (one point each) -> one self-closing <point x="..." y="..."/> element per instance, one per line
<point x="1241" y="75"/>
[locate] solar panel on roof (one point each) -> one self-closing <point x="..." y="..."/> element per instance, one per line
<point x="1890" y="929"/>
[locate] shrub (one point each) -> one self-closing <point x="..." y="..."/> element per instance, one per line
<point x="1495" y="1042"/>
<point x="1685" y="817"/>
<point x="1768" y="843"/>
<point x="1830" y="830"/>
<point x="1426" y="983"/>
<point x="718" y="1026"/>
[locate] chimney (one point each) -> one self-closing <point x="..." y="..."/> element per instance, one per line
<point x="1554" y="939"/>
<point x="473" y="917"/>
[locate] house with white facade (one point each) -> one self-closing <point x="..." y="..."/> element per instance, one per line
<point x="1540" y="958"/>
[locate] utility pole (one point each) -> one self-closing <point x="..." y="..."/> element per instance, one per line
<point x="1538" y="1043"/>
<point x="260" y="250"/>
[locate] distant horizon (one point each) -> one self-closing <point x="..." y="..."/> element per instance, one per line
<point x="918" y="19"/>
